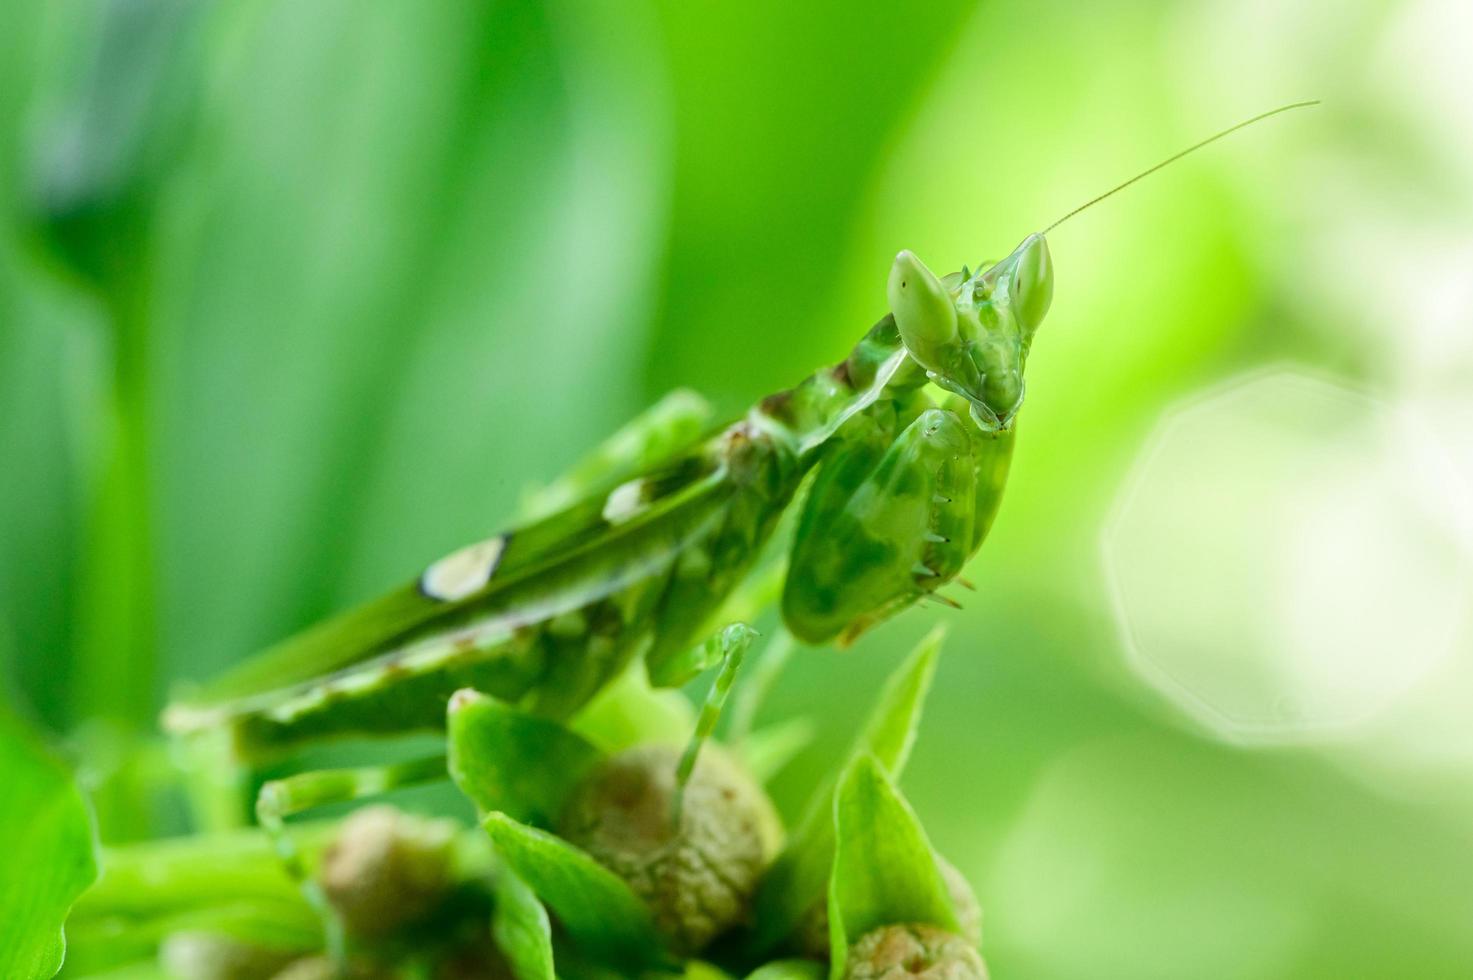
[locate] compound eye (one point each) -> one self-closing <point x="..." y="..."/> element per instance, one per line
<point x="1033" y="283"/>
<point x="923" y="309"/>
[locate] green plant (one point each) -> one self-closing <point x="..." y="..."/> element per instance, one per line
<point x="605" y="849"/>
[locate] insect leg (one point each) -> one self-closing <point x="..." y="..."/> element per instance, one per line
<point x="882" y="528"/>
<point x="732" y="642"/>
<point x="280" y="798"/>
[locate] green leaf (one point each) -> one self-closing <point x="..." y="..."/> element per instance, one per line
<point x="788" y="970"/>
<point x="510" y="761"/>
<point x="891" y="729"/>
<point x="593" y="904"/>
<point x="797" y="879"/>
<point x="884" y="870"/>
<point x="50" y="857"/>
<point x="521" y="928"/>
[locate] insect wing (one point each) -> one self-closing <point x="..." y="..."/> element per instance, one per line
<point x="445" y="592"/>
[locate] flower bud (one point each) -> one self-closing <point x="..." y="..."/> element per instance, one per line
<point x="387" y="869"/>
<point x="913" y="952"/>
<point x="698" y="877"/>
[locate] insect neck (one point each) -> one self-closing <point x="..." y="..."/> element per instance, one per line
<point x="808" y="415"/>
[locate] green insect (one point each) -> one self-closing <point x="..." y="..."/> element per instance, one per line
<point x="636" y="554"/>
<point x="549" y="612"/>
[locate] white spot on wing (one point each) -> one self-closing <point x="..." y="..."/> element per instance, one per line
<point x="462" y="572"/>
<point x="624" y="501"/>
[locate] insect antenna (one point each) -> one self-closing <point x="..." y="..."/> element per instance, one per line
<point x="1177" y="156"/>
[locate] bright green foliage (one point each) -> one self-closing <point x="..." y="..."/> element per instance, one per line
<point x="229" y="884"/>
<point x="49" y="853"/>
<point x="799" y="877"/>
<point x="884" y="870"/>
<point x="521" y="928"/>
<point x="509" y="761"/>
<point x="594" y="905"/>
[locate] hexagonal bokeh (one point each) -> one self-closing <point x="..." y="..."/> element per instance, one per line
<point x="1284" y="558"/>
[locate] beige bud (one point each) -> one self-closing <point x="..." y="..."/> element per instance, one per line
<point x="697" y="878"/>
<point x="913" y="952"/>
<point x="386" y="869"/>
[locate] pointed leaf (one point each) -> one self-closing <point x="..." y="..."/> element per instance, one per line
<point x="884" y="870"/>
<point x="891" y="729"/>
<point x="593" y="904"/>
<point x="521" y="928"/>
<point x="508" y="760"/>
<point x="50" y="859"/>
<point x="799" y="876"/>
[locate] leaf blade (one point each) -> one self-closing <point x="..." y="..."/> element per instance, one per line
<point x="593" y="904"/>
<point x="513" y="762"/>
<point x="521" y="928"/>
<point x="44" y="819"/>
<point x="798" y="877"/>
<point x="884" y="870"/>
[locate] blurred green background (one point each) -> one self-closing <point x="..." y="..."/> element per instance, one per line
<point x="297" y="296"/>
